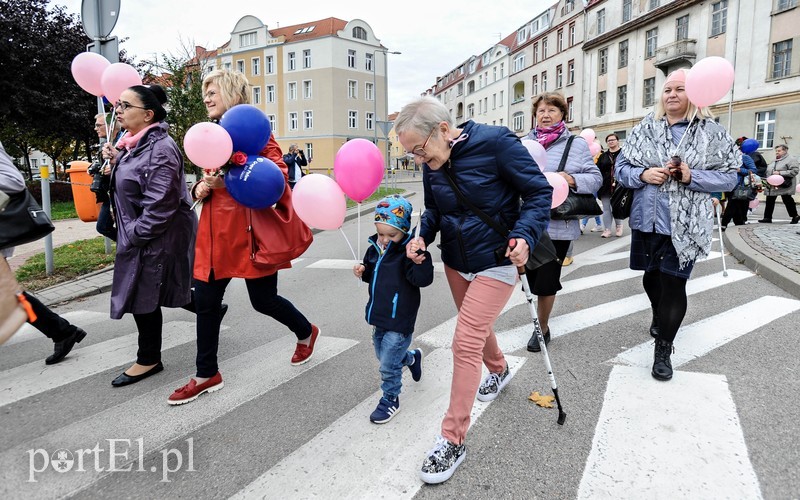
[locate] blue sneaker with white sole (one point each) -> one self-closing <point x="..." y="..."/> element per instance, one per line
<point x="416" y="368"/>
<point x="385" y="411"/>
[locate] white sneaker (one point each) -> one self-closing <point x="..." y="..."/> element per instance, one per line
<point x="442" y="461"/>
<point x="583" y="227"/>
<point x="597" y="229"/>
<point x="493" y="384"/>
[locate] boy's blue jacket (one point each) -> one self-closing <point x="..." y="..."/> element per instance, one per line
<point x="394" y="283"/>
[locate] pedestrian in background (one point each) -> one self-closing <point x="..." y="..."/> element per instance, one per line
<point x="155" y="224"/>
<point x="394" y="298"/>
<point x="489" y="166"/>
<point x="671" y="214"/>
<point x="787" y="167"/>
<point x="105" y="222"/>
<point x="582" y="176"/>
<point x="606" y="163"/>
<point x="295" y="160"/>
<point x="223" y="251"/>
<point x="736" y="208"/>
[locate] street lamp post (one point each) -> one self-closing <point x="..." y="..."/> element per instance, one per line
<point x="375" y="88"/>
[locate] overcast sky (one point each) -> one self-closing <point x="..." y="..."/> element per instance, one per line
<point x="433" y="37"/>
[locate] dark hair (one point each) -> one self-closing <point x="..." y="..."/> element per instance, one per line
<point x="153" y="97"/>
<point x="553" y="99"/>
<point x="612" y="134"/>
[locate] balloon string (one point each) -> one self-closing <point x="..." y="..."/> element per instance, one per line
<point x="684" y="134"/>
<point x="348" y="244"/>
<point x="358" y="225"/>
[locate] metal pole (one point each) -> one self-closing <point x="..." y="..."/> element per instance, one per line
<point x="44" y="173"/>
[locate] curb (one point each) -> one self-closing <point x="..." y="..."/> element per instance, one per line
<point x="760" y="264"/>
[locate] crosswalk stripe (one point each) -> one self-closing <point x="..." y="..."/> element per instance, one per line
<point x="34" y="378"/>
<point x="353" y="458"/>
<point x="79" y="318"/>
<point x="699" y="338"/>
<point x="247" y="376"/>
<point x="679" y="439"/>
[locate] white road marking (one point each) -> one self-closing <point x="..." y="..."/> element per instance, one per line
<point x="78" y="318"/>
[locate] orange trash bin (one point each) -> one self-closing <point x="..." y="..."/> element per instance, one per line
<point x="85" y="200"/>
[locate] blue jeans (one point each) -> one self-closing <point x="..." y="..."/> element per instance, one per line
<point x="391" y="349"/>
<point x="105" y="224"/>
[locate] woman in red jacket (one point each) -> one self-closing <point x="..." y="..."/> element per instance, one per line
<point x="224" y="250"/>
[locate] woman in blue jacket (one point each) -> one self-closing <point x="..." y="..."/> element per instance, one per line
<point x="671" y="216"/>
<point x="493" y="171"/>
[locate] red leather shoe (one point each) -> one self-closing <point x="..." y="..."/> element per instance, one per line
<point x="193" y="390"/>
<point x="302" y="353"/>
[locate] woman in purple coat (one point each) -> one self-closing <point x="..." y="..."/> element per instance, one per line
<point x="155" y="224"/>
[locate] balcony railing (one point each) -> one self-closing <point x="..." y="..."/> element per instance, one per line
<point x="675" y="53"/>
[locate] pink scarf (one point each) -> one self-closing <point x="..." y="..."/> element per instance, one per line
<point x="130" y="141"/>
<point x="548" y="135"/>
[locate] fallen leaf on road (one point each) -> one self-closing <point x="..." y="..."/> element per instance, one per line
<point x="543" y="401"/>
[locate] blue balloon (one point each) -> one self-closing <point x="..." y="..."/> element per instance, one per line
<point x="248" y="127"/>
<point x="749" y="145"/>
<point x="258" y="184"/>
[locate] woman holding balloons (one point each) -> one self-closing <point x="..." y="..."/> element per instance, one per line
<point x="580" y="174"/>
<point x="230" y="233"/>
<point x="155" y="225"/>
<point x="781" y="181"/>
<point x="673" y="162"/>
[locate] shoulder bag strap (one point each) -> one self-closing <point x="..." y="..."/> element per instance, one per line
<point x="501" y="230"/>
<point x="566" y="153"/>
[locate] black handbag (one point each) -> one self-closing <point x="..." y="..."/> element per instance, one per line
<point x="577" y="205"/>
<point x="621" y="201"/>
<point x="787" y="181"/>
<point x="542" y="253"/>
<point x="23" y="221"/>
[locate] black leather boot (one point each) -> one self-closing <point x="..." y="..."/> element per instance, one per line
<point x="62" y="348"/>
<point x="662" y="366"/>
<point x="533" y="343"/>
<point x="654" y="329"/>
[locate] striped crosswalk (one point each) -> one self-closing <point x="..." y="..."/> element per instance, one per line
<point x="348" y="457"/>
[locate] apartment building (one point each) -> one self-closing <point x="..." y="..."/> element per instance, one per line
<point x="321" y="83"/>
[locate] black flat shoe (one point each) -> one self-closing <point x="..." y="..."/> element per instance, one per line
<point x="223" y="310"/>
<point x="765" y="221"/>
<point x="125" y="379"/>
<point x="533" y="343"/>
<point x="62" y="348"/>
<point x="795" y="219"/>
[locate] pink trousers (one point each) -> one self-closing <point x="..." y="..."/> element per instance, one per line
<point x="479" y="303"/>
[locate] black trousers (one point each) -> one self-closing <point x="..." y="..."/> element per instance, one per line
<point x="735" y="210"/>
<point x="150" y="327"/>
<point x="264" y="298"/>
<point x="791" y="206"/>
<point x="48" y="322"/>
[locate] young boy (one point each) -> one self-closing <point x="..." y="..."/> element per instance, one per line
<point x="394" y="283"/>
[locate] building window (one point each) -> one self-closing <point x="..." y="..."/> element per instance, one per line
<point x="544" y="48"/>
<point x="682" y="28"/>
<point x="601" y="103"/>
<point x="501" y="98"/>
<point x="270" y="93"/>
<point x="571" y="34"/>
<point x="293" y="121"/>
<point x="352" y="89"/>
<point x="460" y="88"/>
<point x="480" y="81"/>
<point x="654" y="4"/>
<point x="560" y="40"/>
<point x="369" y="93"/>
<point x="602" y="57"/>
<point x="273" y="123"/>
<point x="248" y="39"/>
<point x="571" y="72"/>
<point x="470" y="111"/>
<point x="360" y="33"/>
<point x="307" y="89"/>
<point x="255" y="66"/>
<point x="270" y="64"/>
<point x="519" y="62"/>
<point x="309" y="151"/>
<point x="544" y="81"/>
<point x="627" y="10"/>
<point x="292" y="61"/>
<point x="649" y="97"/>
<point x="292" y="91"/>
<point x="307" y="58"/>
<point x="502" y="70"/>
<point x="240" y="66"/>
<point x="522" y="35"/>
<point x="308" y="119"/>
<point x="518" y="120"/>
<point x="651" y="40"/>
<point x="494" y="74"/>
<point x="559" y="76"/>
<point x="494" y="101"/>
<point x="781" y="58"/>
<point x="256" y="95"/>
<point x="719" y="17"/>
<point x="623" y="53"/>
<point x="601" y="21"/>
<point x="535" y="52"/>
<point x="622" y="98"/>
<point x="786" y="4"/>
<point x="765" y="129"/>
<point x="351" y="58"/>
<point x="368" y="61"/>
<point x="570" y="108"/>
<point x="34" y="163"/>
<point x="569" y="5"/>
<point x="535" y="85"/>
<point x="352" y="119"/>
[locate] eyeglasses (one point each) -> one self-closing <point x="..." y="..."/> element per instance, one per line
<point x="420" y="151"/>
<point x="209" y="95"/>
<point x="123" y="106"/>
<point x="99" y="125"/>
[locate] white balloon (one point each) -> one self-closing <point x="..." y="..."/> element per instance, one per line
<point x="537" y="152"/>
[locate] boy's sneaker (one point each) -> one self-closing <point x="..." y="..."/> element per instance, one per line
<point x="385" y="411"/>
<point x="443" y="460"/>
<point x="193" y="390"/>
<point x="416" y="368"/>
<point x="493" y="384"/>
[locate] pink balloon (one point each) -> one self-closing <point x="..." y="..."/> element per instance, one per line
<point x="775" y="180"/>
<point x="797" y="189"/>
<point x="118" y="77"/>
<point x="594" y="148"/>
<point x="358" y="168"/>
<point x="537" y="152"/>
<point x="560" y="188"/>
<point x="208" y="145"/>
<point x="319" y="201"/>
<point x="709" y="80"/>
<point x="87" y="69"/>
<point x="588" y="134"/>
<point x="753" y="203"/>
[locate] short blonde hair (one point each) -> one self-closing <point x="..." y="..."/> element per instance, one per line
<point x="233" y="86"/>
<point x="660" y="111"/>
